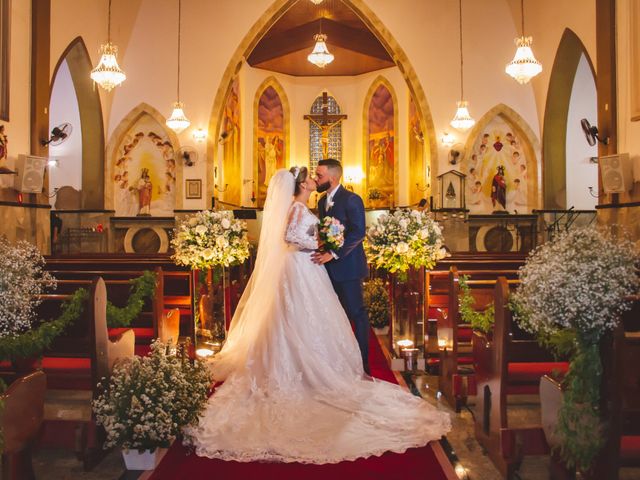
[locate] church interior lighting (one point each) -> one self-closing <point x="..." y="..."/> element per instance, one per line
<point x="178" y="120"/>
<point x="462" y="120"/>
<point x="107" y="73"/>
<point x="524" y="65"/>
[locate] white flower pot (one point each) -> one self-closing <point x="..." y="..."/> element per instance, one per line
<point x="146" y="460"/>
<point x="382" y="331"/>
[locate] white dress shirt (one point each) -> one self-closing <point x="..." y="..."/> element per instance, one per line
<point x="330" y="196"/>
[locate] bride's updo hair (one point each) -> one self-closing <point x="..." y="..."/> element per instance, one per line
<point x="302" y="174"/>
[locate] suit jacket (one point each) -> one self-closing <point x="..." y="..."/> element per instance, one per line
<point x="348" y="208"/>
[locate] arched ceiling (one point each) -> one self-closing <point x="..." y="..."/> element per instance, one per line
<point x="285" y="47"/>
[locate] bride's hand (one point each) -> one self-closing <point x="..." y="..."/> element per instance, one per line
<point x="321" y="258"/>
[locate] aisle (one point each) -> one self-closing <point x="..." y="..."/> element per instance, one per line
<point x="416" y="463"/>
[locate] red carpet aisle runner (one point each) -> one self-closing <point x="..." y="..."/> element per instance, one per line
<point x="415" y="463"/>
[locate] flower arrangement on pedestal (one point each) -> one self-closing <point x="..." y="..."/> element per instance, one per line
<point x="404" y="239"/>
<point x="147" y="400"/>
<point x="376" y="301"/>
<point x="572" y="292"/>
<point x="209" y="239"/>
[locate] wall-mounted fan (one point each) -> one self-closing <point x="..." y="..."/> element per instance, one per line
<point x="58" y="135"/>
<point x="188" y="155"/>
<point x="455" y="153"/>
<point x="591" y="133"/>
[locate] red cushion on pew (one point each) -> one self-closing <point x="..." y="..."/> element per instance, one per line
<point x="67" y="363"/>
<point x="141" y="333"/>
<point x="465" y="334"/>
<point x="630" y="446"/>
<point x="531" y="372"/>
<point x="465" y="360"/>
<point x="67" y="373"/>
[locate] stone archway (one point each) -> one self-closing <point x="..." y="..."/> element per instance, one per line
<point x="93" y="171"/>
<point x="523" y="130"/>
<point x="260" y="28"/>
<point x="554" y="138"/>
<point x="380" y="80"/>
<point x="116" y="139"/>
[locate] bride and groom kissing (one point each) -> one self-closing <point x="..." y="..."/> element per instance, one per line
<point x="296" y="384"/>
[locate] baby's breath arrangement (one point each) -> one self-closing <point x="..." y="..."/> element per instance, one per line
<point x="403" y="239"/>
<point x="209" y="239"/>
<point x="22" y="280"/>
<point x="148" y="400"/>
<point x="575" y="288"/>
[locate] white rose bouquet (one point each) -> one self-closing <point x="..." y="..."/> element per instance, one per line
<point x="208" y="239"/>
<point x="403" y="239"/>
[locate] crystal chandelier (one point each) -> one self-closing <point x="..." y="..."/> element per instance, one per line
<point x="316" y="2"/>
<point x="178" y="120"/>
<point x="462" y="120"/>
<point x="524" y="65"/>
<point x="320" y="56"/>
<point x="108" y="74"/>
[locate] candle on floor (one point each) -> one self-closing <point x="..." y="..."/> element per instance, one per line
<point x="410" y="358"/>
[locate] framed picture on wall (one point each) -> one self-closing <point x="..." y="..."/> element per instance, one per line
<point x="193" y="188"/>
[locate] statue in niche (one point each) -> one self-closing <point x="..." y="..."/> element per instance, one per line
<point x="144" y="189"/>
<point x="499" y="189"/>
<point x="3" y="143"/>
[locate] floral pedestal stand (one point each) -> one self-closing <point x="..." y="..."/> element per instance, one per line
<point x="209" y="305"/>
<point x="407" y="313"/>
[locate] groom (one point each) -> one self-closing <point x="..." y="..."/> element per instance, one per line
<point x="347" y="267"/>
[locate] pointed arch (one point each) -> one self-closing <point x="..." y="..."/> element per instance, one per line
<point x="268" y="82"/>
<point x="522" y="130"/>
<point x="378" y="82"/>
<point x="79" y="62"/>
<point x="118" y="136"/>
<point x="262" y="26"/>
<point x="554" y="138"/>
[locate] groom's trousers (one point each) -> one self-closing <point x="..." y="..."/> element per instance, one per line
<point x="350" y="295"/>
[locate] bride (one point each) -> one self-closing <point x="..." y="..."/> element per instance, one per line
<point x="294" y="387"/>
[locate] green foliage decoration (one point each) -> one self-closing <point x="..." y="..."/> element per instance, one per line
<point x="480" y="320"/>
<point x="142" y="288"/>
<point x="376" y="301"/>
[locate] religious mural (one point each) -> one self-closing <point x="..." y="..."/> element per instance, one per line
<point x="380" y="148"/>
<point x="230" y="185"/>
<point x="270" y="140"/>
<point x="417" y="167"/>
<point x="497" y="170"/>
<point x="144" y="176"/>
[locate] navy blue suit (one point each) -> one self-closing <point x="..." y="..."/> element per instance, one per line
<point x="350" y="268"/>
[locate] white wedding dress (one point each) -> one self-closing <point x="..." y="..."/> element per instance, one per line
<point x="294" y="388"/>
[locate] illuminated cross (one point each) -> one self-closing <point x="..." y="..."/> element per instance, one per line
<point x="325" y="122"/>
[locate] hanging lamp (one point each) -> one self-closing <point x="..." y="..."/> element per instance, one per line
<point x="462" y="120"/>
<point x="524" y="65"/>
<point x="107" y="73"/>
<point x="178" y="120"/>
<point x="320" y="57"/>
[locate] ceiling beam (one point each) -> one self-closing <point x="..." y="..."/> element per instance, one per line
<point x="301" y="37"/>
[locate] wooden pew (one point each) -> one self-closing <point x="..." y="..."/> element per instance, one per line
<point x="456" y="373"/>
<point x="21" y="419"/>
<point x="509" y="363"/>
<point x="72" y="377"/>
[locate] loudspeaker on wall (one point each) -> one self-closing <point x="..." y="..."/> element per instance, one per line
<point x="616" y="173"/>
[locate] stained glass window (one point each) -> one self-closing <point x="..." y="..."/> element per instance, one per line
<point x="315" y="134"/>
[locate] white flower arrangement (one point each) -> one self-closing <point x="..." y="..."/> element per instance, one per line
<point x="403" y="239"/>
<point x="579" y="281"/>
<point x="148" y="400"/>
<point x="209" y="239"/>
<point x="22" y="280"/>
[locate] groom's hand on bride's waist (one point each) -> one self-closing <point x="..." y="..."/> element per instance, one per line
<point x="321" y="257"/>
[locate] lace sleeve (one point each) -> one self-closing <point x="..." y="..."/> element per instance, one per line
<point x="300" y="231"/>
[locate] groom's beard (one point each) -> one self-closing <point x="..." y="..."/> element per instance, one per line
<point x="323" y="187"/>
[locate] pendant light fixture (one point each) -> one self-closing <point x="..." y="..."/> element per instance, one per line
<point x="320" y="56"/>
<point x="178" y="121"/>
<point x="462" y="120"/>
<point x="108" y="74"/>
<point x="524" y="65"/>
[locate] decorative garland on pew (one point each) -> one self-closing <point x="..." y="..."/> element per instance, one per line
<point x="142" y="288"/>
<point x="480" y="321"/>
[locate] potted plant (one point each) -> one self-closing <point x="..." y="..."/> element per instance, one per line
<point x="572" y="292"/>
<point x="146" y="402"/>
<point x="376" y="300"/>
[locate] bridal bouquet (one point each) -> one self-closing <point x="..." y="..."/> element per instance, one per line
<point x="403" y="239"/>
<point x="208" y="239"/>
<point x="331" y="233"/>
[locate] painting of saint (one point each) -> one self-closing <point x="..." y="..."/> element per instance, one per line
<point x="381" y="141"/>
<point x="144" y="167"/>
<point x="231" y="174"/>
<point x="270" y="146"/>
